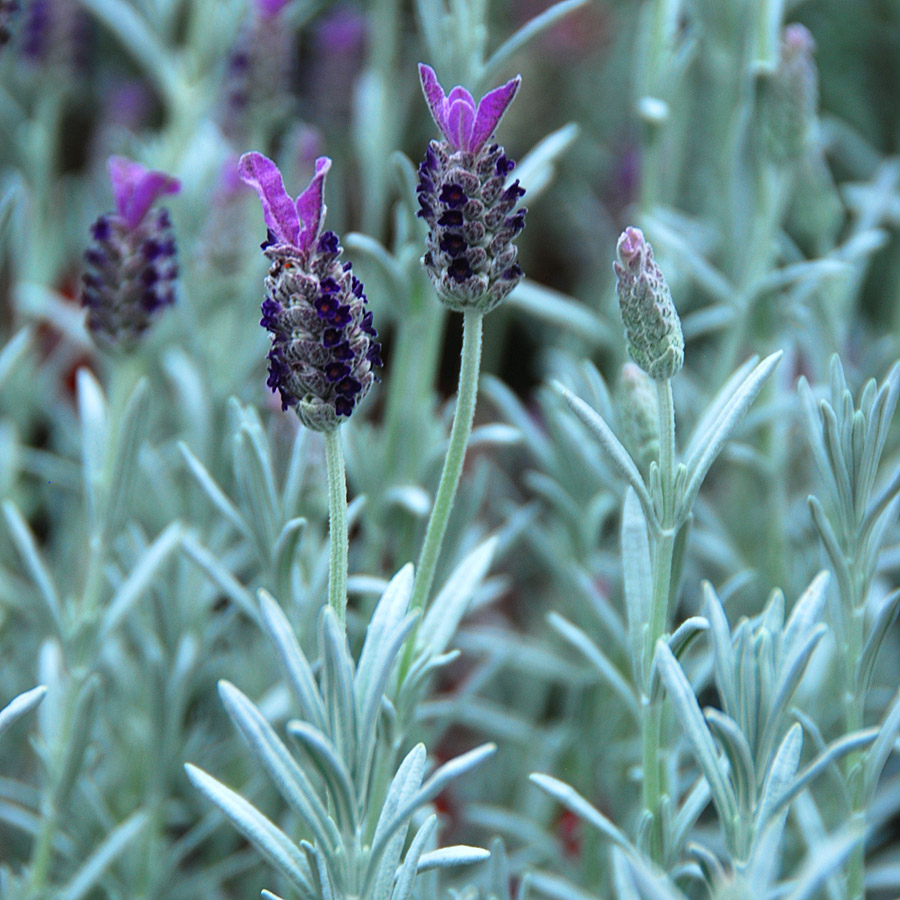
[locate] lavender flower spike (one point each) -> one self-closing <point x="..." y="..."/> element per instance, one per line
<point x="470" y="257"/>
<point x="131" y="265"/>
<point x="323" y="341"/>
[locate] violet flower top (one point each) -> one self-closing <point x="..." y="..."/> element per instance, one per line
<point x="471" y="213"/>
<point x="465" y="125"/>
<point x="131" y="266"/>
<point x="323" y="342"/>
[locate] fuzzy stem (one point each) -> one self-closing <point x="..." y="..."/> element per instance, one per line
<point x="453" y="463"/>
<point x="337" y="523"/>
<point x="663" y="548"/>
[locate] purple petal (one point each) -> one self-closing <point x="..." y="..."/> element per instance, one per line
<point x="268" y="9"/>
<point x="278" y="208"/>
<point x="490" y="111"/>
<point x="460" y="121"/>
<point x="135" y="188"/>
<point x="434" y="96"/>
<point x="310" y="206"/>
<point x="124" y="174"/>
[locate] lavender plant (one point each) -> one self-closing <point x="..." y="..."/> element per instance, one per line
<point x="649" y="636"/>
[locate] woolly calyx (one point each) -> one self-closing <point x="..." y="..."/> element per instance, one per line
<point x="131" y="262"/>
<point x="652" y="327"/>
<point x="323" y="341"/>
<point x="471" y="213"/>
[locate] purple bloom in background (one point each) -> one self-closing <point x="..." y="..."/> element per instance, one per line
<point x="131" y="263"/>
<point x="55" y="34"/>
<point x="257" y="71"/>
<point x="471" y="213"/>
<point x="323" y="342"/>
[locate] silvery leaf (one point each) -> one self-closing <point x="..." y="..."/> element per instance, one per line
<point x="331" y="768"/>
<point x="337" y="686"/>
<point x="406" y="874"/>
<point x="214" y="492"/>
<point x="14" y="349"/>
<point x="573" y="801"/>
<point x="140" y="578"/>
<point x="256" y="485"/>
<point x="598" y="659"/>
<point x="884" y="744"/>
<point x="455" y="855"/>
<point x="19" y="706"/>
<point x="272" y="842"/>
<point x="27" y="547"/>
<point x="93" y="414"/>
<point x="549" y="306"/>
<point x="216" y="570"/>
<point x="636" y="574"/>
<point x="294" y="665"/>
<point x="698" y="735"/>
<point x="91" y="870"/>
<point x="281" y="767"/>
<point x="710" y="441"/>
<point x="884" y="618"/>
<point x="450" y="605"/>
<point x="737" y="749"/>
<point x="617" y="454"/>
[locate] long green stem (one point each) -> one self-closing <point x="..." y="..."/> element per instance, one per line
<point x="663" y="548"/>
<point x="337" y="523"/>
<point x="453" y="463"/>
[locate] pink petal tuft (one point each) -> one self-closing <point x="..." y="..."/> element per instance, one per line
<point x="278" y="208"/>
<point x="434" y="96"/>
<point x="490" y="111"/>
<point x="311" y="206"/>
<point x="135" y="188"/>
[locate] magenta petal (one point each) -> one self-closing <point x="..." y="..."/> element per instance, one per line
<point x="268" y="9"/>
<point x="460" y="121"/>
<point x="278" y="208"/>
<point x="490" y="111"/>
<point x="310" y="205"/>
<point x="434" y="96"/>
<point x="124" y="174"/>
<point x="149" y="186"/>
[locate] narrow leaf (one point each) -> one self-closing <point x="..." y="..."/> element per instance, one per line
<point x="456" y="855"/>
<point x="270" y="840"/>
<point x="19" y="706"/>
<point x="721" y="429"/>
<point x="701" y="741"/>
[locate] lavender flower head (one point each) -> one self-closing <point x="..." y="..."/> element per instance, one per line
<point x="652" y="327"/>
<point x="323" y="341"/>
<point x="470" y="257"/>
<point x="131" y="266"/>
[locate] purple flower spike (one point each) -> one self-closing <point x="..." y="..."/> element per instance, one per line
<point x="136" y="188"/>
<point x="296" y="224"/>
<point x="465" y="126"/>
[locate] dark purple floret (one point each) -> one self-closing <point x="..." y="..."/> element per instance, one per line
<point x="329" y="286"/>
<point x="452" y="244"/>
<point x="332" y="337"/>
<point x="271" y="309"/>
<point x="343" y="406"/>
<point x="334" y="371"/>
<point x="366" y="325"/>
<point x="328" y="243"/>
<point x="513" y="192"/>
<point x="349" y="386"/>
<point x="270" y="239"/>
<point x="505" y="165"/>
<point x="453" y="195"/>
<point x="459" y="269"/>
<point x="101" y="229"/>
<point x="341" y="317"/>
<point x="326" y="306"/>
<point x="452" y="218"/>
<point x="343" y="351"/>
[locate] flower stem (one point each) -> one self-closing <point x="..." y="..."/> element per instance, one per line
<point x="663" y="548"/>
<point x="453" y="463"/>
<point x="337" y="523"/>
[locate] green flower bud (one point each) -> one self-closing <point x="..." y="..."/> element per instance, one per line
<point x="652" y="327"/>
<point x="637" y="409"/>
<point x="789" y="97"/>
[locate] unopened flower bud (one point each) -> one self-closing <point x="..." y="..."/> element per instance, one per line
<point x="131" y="263"/>
<point x="637" y="409"/>
<point x="323" y="340"/>
<point x="471" y="213"/>
<point x="652" y="327"/>
<point x="789" y="97"/>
